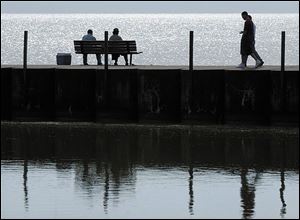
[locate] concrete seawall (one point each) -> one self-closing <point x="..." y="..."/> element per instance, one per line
<point x="206" y="95"/>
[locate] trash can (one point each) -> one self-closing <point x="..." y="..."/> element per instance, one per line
<point x="63" y="59"/>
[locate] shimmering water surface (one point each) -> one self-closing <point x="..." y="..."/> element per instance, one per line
<point x="163" y="38"/>
<point x="82" y="170"/>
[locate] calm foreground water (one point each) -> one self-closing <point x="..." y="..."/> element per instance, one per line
<point x="71" y="170"/>
<point x="163" y="38"/>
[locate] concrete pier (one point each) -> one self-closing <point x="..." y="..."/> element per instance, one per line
<point x="169" y="94"/>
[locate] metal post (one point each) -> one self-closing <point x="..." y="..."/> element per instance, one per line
<point x="191" y="49"/>
<point x="282" y="51"/>
<point x="105" y="69"/>
<point x="106" y="49"/>
<point x="282" y="75"/>
<point x="25" y="54"/>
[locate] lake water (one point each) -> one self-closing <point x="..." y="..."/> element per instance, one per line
<point x="163" y="38"/>
<point x="85" y="170"/>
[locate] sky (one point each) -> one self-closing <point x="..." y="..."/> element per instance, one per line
<point x="149" y="6"/>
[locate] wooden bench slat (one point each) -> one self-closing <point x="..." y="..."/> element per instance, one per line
<point x="102" y="50"/>
<point x="102" y="43"/>
<point x="90" y="46"/>
<point x="97" y="52"/>
<point x="89" y="43"/>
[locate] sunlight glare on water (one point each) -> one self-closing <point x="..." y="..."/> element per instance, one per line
<point x="163" y="38"/>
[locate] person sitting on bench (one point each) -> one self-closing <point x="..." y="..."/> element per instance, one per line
<point x="116" y="37"/>
<point x="89" y="37"/>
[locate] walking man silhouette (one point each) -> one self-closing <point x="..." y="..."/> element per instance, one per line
<point x="248" y="42"/>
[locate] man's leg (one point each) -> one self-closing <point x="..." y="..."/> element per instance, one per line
<point x="85" y="59"/>
<point x="244" y="62"/>
<point x="243" y="56"/>
<point x="259" y="61"/>
<point x="116" y="60"/>
<point x="98" y="56"/>
<point x="258" y="58"/>
<point x="244" y="59"/>
<point x="126" y="59"/>
<point x="254" y="57"/>
<point x="115" y="57"/>
<point x="252" y="52"/>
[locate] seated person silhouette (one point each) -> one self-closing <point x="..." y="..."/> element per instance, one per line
<point x="116" y="37"/>
<point x="89" y="37"/>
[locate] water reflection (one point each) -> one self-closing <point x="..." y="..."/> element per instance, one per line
<point x="247" y="181"/>
<point x="247" y="195"/>
<point x="94" y="176"/>
<point x="106" y="188"/>
<point x="106" y="158"/>
<point x="25" y="184"/>
<point x="191" y="192"/>
<point x="282" y="188"/>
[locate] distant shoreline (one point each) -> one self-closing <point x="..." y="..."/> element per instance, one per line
<point x="132" y="13"/>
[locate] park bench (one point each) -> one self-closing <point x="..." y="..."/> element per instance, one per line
<point x="98" y="47"/>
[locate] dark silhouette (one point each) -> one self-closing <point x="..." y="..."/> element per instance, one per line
<point x="191" y="191"/>
<point x="89" y="37"/>
<point x="106" y="190"/>
<point x="25" y="184"/>
<point x="247" y="39"/>
<point x="282" y="179"/>
<point x="248" y="42"/>
<point x="116" y="37"/>
<point x="281" y="190"/>
<point x="254" y="54"/>
<point x="247" y="195"/>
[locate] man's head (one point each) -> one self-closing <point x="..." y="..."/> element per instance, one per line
<point x="244" y="15"/>
<point x="116" y="31"/>
<point x="90" y="32"/>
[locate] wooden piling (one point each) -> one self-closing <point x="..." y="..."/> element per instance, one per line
<point x="105" y="69"/>
<point x="282" y="51"/>
<point x="25" y="54"/>
<point x="282" y="74"/>
<point x="191" y="49"/>
<point x="106" y="49"/>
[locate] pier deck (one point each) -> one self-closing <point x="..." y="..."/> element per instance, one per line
<point x="155" y="67"/>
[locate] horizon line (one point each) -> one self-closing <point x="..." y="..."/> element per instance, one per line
<point x="144" y="13"/>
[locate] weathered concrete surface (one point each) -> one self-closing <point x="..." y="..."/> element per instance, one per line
<point x="247" y="97"/>
<point x="6" y="92"/>
<point x="120" y="101"/>
<point x="203" y="96"/>
<point x="32" y="99"/>
<point x="75" y="94"/>
<point x="290" y="111"/>
<point x="143" y="93"/>
<point x="159" y="95"/>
